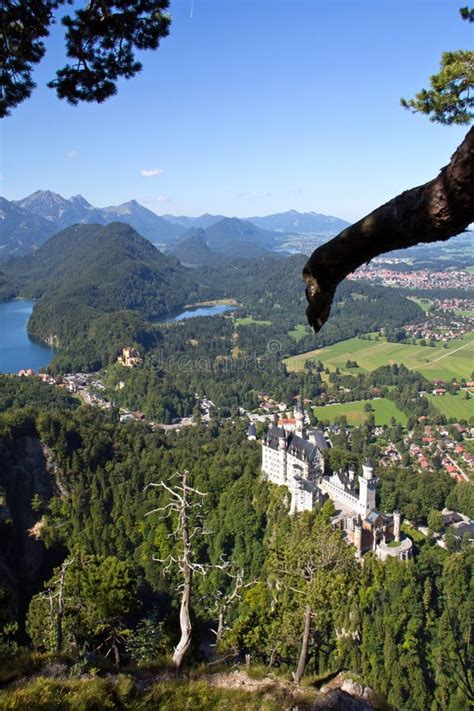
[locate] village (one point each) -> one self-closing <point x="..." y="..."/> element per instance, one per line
<point x="439" y="326"/>
<point x="379" y="272"/>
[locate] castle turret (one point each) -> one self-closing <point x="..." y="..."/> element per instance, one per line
<point x="396" y="525"/>
<point x="299" y="417"/>
<point x="367" y="488"/>
<point x="368" y="469"/>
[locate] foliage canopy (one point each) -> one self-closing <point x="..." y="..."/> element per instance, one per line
<point x="101" y="40"/>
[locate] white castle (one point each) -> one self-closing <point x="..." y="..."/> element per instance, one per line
<point x="293" y="456"/>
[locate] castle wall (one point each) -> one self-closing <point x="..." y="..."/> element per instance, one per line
<point x="295" y="467"/>
<point x="274" y="465"/>
<point x="339" y="495"/>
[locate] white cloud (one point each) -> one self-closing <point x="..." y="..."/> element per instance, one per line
<point x="73" y="153"/>
<point x="152" y="172"/>
<point x="163" y="198"/>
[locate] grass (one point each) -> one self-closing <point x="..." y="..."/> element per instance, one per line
<point x="435" y="363"/>
<point x="383" y="411"/>
<point x="249" y="321"/>
<point x="298" y="332"/>
<point x="453" y="405"/>
<point x="424" y="304"/>
<point x="165" y="691"/>
<point x="97" y="693"/>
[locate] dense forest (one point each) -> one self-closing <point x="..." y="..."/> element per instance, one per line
<point x="89" y="548"/>
<point x="100" y="288"/>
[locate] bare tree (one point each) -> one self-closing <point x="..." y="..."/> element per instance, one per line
<point x="224" y="602"/>
<point x="186" y="506"/>
<point x="57" y="611"/>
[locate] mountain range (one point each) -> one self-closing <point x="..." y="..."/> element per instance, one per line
<point x="227" y="240"/>
<point x="27" y="223"/>
<point x="293" y="222"/>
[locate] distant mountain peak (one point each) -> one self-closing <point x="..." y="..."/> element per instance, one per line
<point x="80" y="200"/>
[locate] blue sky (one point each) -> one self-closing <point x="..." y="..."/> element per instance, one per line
<point x="250" y="107"/>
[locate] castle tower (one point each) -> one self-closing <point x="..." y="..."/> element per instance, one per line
<point x="368" y="469"/>
<point x="396" y="525"/>
<point x="299" y="417"/>
<point x="367" y="488"/>
<point x="358" y="538"/>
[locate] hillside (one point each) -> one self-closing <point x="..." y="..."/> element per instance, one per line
<point x="193" y="250"/>
<point x="21" y="231"/>
<point x="239" y="238"/>
<point x="87" y="272"/>
<point x="223" y="242"/>
<point x="144" y="221"/>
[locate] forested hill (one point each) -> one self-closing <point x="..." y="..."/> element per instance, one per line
<point x="228" y="240"/>
<point x="106" y="267"/>
<point x="99" y="288"/>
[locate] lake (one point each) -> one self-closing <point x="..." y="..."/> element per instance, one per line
<point x="17" y="350"/>
<point x="214" y="310"/>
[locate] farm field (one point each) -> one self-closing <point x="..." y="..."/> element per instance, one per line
<point x="435" y="363"/>
<point x="383" y="411"/>
<point x="453" y="406"/>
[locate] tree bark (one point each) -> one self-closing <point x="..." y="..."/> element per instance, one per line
<point x="297" y="675"/>
<point x="437" y="210"/>
<point x="220" y="625"/>
<point x="60" y="612"/>
<point x="184" y="643"/>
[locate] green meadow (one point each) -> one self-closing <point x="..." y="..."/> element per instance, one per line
<point x="454" y="405"/>
<point x="435" y="363"/>
<point x="424" y="304"/>
<point x="382" y="410"/>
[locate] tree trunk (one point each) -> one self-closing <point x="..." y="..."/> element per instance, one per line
<point x="60" y="613"/>
<point x="437" y="210"/>
<point x="184" y="643"/>
<point x="220" y="625"/>
<point x="297" y="675"/>
<point x="116" y="652"/>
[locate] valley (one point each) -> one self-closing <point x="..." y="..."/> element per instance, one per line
<point x="173" y="363"/>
